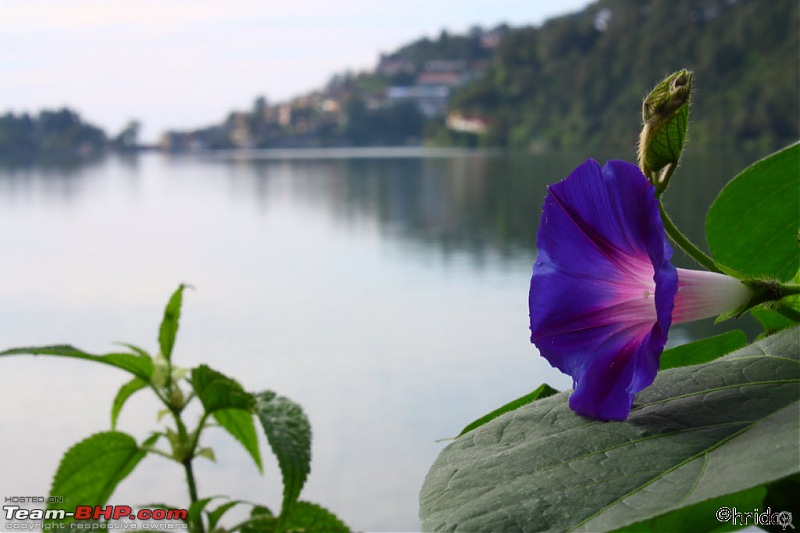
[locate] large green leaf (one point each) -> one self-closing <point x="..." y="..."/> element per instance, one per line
<point x="239" y="424"/>
<point x="231" y="406"/>
<point x="770" y="320"/>
<point x="777" y="318"/>
<point x="217" y="391"/>
<point x="302" y="517"/>
<point x="752" y="226"/>
<point x="125" y="392"/>
<point x="139" y="365"/>
<point x="699" y="432"/>
<point x="194" y="515"/>
<point x="307" y="516"/>
<point x="703" y="516"/>
<point x="703" y="350"/>
<point x="261" y="521"/>
<point x="289" y="435"/>
<point x="91" y="470"/>
<point x="542" y="391"/>
<point x="169" y="324"/>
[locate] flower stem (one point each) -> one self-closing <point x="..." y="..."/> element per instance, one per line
<point x="765" y="291"/>
<point x="789" y="290"/>
<point x="685" y="244"/>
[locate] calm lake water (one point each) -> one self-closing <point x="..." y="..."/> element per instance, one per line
<point x="384" y="290"/>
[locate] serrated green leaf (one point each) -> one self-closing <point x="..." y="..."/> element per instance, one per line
<point x="137" y="365"/>
<point x="195" y="511"/>
<point x="216" y="515"/>
<point x="125" y="392"/>
<point x="542" y="391"/>
<point x="261" y="521"/>
<point x="694" y="435"/>
<point x="230" y="405"/>
<point x="289" y="435"/>
<point x="217" y="391"/>
<point x="307" y="516"/>
<point x="169" y="324"/>
<point x="91" y="470"/>
<point x="239" y="424"/>
<point x="752" y="225"/>
<point x="703" y="350"/>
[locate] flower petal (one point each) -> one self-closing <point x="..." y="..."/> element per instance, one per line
<point x="603" y="288"/>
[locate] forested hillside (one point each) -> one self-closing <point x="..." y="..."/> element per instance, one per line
<point x="60" y="134"/>
<point x="575" y="82"/>
<point x="578" y="80"/>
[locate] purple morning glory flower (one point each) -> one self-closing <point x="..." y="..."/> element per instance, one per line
<point x="604" y="293"/>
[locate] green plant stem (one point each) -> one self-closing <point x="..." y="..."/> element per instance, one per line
<point x="789" y="312"/>
<point x="196" y="440"/>
<point x="685" y="244"/>
<point x="186" y="461"/>
<point x="789" y="290"/>
<point x="187" y="466"/>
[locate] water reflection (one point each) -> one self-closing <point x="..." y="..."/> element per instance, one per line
<point x="446" y="199"/>
<point x="472" y="202"/>
<point x="476" y="203"/>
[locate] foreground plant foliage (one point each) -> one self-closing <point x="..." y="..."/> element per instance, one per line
<point x="91" y="470"/>
<point x="715" y="429"/>
<point x="692" y="436"/>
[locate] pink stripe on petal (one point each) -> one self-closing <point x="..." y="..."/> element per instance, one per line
<point x="707" y="294"/>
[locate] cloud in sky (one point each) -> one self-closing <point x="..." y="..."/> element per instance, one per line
<point x="184" y="64"/>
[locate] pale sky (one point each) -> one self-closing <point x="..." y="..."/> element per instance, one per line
<point x="181" y="64"/>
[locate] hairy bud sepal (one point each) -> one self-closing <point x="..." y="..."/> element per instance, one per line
<point x="665" y="119"/>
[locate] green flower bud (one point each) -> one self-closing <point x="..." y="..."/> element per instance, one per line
<point x="665" y="117"/>
<point x="177" y="400"/>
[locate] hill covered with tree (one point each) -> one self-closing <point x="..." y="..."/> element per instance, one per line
<point x="56" y="134"/>
<point x="578" y="80"/>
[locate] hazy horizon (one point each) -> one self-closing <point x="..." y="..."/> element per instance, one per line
<point x="175" y="65"/>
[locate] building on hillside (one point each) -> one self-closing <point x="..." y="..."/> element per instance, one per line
<point x="431" y="100"/>
<point x="443" y="78"/>
<point x="240" y="134"/>
<point x="467" y="123"/>
<point x="388" y="66"/>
